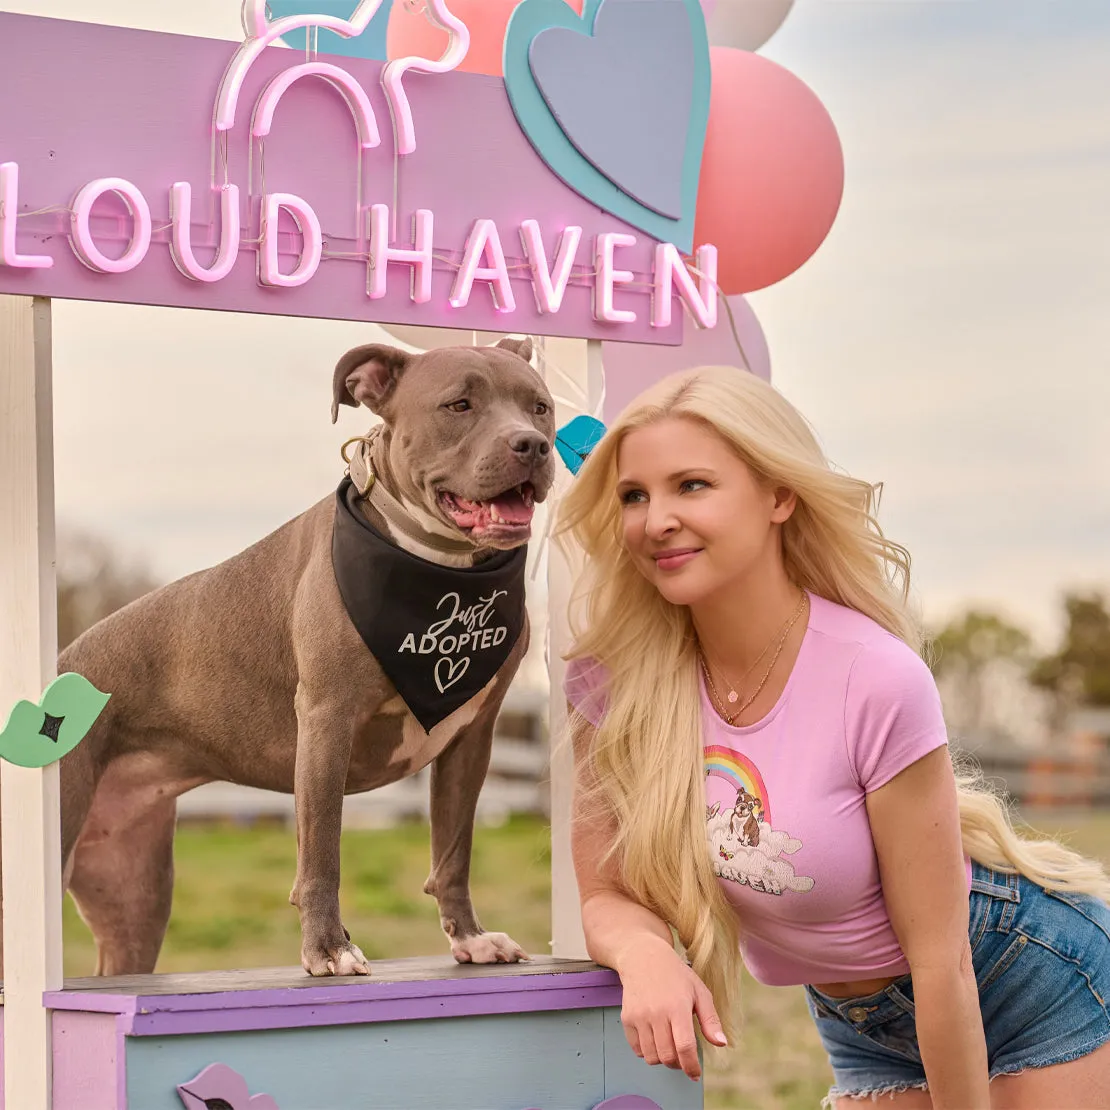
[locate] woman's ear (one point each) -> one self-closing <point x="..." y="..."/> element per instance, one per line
<point x="786" y="501"/>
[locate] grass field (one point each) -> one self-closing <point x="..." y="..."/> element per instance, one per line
<point x="231" y="910"/>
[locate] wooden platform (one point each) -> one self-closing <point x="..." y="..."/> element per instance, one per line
<point x="420" y="1034"/>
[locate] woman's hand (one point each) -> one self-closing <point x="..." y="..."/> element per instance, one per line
<point x="662" y="996"/>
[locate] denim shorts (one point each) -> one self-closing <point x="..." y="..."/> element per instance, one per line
<point x="1042" y="963"/>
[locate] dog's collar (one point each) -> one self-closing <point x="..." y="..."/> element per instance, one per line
<point x="361" y="469"/>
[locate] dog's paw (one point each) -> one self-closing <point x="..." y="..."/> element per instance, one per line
<point x="488" y="948"/>
<point x="342" y="959"/>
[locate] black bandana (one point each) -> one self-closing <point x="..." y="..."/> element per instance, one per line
<point x="439" y="633"/>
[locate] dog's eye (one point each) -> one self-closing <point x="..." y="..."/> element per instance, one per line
<point x="458" y="406"/>
<point x="541" y="408"/>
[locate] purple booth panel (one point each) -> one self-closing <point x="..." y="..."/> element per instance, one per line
<point x="82" y="102"/>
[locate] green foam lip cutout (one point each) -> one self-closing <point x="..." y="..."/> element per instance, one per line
<point x="38" y="735"/>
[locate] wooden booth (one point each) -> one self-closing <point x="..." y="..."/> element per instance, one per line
<point x="158" y="169"/>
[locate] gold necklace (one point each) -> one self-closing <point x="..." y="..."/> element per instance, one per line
<point x="733" y="717"/>
<point x="733" y="696"/>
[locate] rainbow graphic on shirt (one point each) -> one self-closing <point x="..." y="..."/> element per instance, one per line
<point x="739" y="772"/>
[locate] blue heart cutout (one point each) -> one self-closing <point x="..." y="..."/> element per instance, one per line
<point x="540" y="122"/>
<point x="370" y="44"/>
<point x="575" y="440"/>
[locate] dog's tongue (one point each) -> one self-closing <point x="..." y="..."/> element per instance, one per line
<point x="512" y="508"/>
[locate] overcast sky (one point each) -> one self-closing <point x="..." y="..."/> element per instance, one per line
<point x="951" y="338"/>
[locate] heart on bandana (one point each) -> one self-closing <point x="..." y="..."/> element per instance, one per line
<point x="448" y="671"/>
<point x="616" y="103"/>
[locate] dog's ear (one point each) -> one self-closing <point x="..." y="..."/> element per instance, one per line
<point x="522" y="348"/>
<point x="366" y="376"/>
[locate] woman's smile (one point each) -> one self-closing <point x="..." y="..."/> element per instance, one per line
<point x="676" y="558"/>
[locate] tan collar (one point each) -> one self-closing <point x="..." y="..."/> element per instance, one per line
<point x="361" y="469"/>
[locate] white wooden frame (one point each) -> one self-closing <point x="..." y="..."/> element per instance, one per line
<point x="28" y="659"/>
<point x="566" y="921"/>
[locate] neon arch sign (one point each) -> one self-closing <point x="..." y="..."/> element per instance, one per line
<point x="485" y="253"/>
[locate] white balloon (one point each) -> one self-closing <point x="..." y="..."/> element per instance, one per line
<point x="744" y="24"/>
<point x="431" y="339"/>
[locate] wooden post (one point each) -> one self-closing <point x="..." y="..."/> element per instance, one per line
<point x="29" y="799"/>
<point x="566" y="922"/>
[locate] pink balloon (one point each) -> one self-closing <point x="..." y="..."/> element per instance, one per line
<point x="411" y="33"/>
<point x="772" y="174"/>
<point x="631" y="367"/>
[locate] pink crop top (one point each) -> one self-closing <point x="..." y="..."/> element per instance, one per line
<point x="787" y="826"/>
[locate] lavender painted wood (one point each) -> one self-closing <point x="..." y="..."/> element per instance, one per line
<point x="548" y="1059"/>
<point x="408" y="969"/>
<point x="277" y="998"/>
<point x="407" y="976"/>
<point x="231" y="1020"/>
<point x="81" y="101"/>
<point x="623" y="96"/>
<point x="88" y="1062"/>
<point x="554" y="1061"/>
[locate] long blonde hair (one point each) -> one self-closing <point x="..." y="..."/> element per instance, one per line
<point x="646" y="755"/>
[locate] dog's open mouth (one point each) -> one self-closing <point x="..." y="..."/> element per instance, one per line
<point x="508" y="516"/>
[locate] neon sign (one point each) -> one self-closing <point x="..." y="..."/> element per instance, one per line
<point x="262" y="33"/>
<point x="483" y="254"/>
<point x="427" y="206"/>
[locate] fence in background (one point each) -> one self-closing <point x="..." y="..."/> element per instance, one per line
<point x="516" y="783"/>
<point x="517" y="780"/>
<point x="1074" y="781"/>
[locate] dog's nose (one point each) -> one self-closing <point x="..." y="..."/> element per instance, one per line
<point x="529" y="446"/>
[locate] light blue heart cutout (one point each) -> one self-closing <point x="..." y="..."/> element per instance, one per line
<point x="642" y="176"/>
<point x="370" y="44"/>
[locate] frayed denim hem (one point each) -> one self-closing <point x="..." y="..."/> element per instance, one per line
<point x="873" y="1093"/>
<point x="1051" y="1061"/>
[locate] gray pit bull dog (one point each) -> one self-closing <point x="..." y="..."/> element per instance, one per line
<point x="252" y="671"/>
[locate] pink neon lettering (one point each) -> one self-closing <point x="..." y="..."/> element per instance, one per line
<point x="484" y="242"/>
<point x="261" y="33"/>
<point x="381" y="254"/>
<point x="701" y="300"/>
<point x="181" y="243"/>
<point x="269" y="272"/>
<point x="608" y="277"/>
<point x="550" y="286"/>
<point x="351" y="91"/>
<point x="82" y="240"/>
<point x="404" y="132"/>
<point x="9" y="203"/>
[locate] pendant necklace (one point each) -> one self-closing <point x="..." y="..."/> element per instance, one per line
<point x="733" y="696"/>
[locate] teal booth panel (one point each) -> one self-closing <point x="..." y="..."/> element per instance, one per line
<point x="539" y="1061"/>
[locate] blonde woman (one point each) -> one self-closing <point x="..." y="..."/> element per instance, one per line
<point x="762" y="766"/>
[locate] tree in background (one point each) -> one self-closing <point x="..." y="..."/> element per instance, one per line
<point x="93" y="581"/>
<point x="963" y="652"/>
<point x="1079" y="673"/>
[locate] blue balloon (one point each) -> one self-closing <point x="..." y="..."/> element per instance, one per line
<point x="370" y="44"/>
<point x="575" y="441"/>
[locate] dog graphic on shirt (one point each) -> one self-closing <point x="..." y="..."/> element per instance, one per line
<point x="743" y="822"/>
<point x="746" y="850"/>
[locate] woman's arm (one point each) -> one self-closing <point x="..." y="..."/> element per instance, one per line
<point x="916" y="828"/>
<point x="661" y="993"/>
